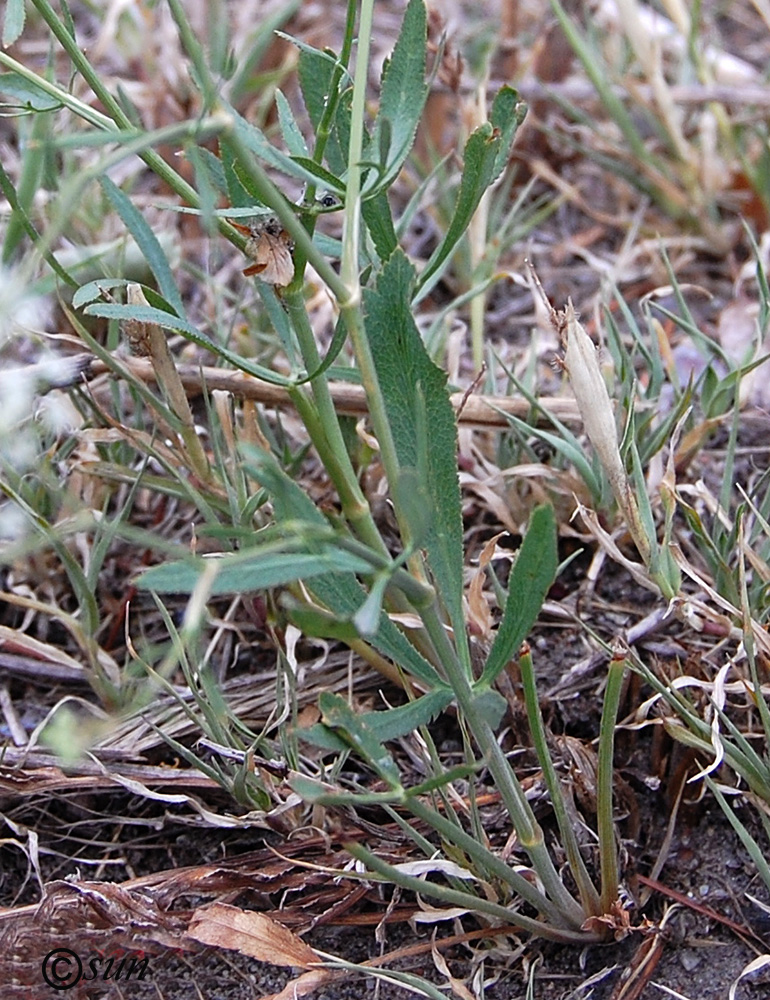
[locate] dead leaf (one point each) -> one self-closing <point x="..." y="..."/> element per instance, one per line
<point x="250" y="933"/>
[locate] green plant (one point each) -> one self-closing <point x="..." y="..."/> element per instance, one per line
<point x="343" y="580"/>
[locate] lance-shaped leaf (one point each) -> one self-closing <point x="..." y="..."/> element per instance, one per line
<point x="529" y="582"/>
<point x="402" y="98"/>
<point x="423" y="425"/>
<point x="485" y="155"/>
<point x="386" y="725"/>
<point x="340" y="592"/>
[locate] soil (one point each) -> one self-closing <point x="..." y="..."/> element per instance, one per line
<point x="702" y="886"/>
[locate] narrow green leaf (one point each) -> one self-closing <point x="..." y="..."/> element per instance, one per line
<point x="205" y="186"/>
<point x="216" y="176"/>
<point x="531" y="577"/>
<point x="379" y="221"/>
<point x="417" y="404"/>
<point x="13" y="22"/>
<point x="237" y="190"/>
<point x="26" y="95"/>
<point x="336" y="345"/>
<point x="248" y="571"/>
<point x="255" y="141"/>
<point x="312" y="790"/>
<point x="146" y="314"/>
<point x="292" y="135"/>
<point x="33" y="174"/>
<point x="402" y="96"/>
<point x="506" y="115"/>
<point x="147" y="241"/>
<point x="339" y="592"/>
<point x="326" y="177"/>
<point x="480" y="158"/>
<point x="357" y="732"/>
<point x="386" y="725"/>
<point x="18" y="214"/>
<point x="321" y="624"/>
<point x="93" y="291"/>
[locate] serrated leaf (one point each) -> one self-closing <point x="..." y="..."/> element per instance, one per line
<point x="13" y="22"/>
<point x="147" y="242"/>
<point x="417" y="400"/>
<point x="357" y="733"/>
<point x="314" y="71"/>
<point x="389" y="724"/>
<point x="530" y="579"/>
<point x="403" y="93"/>
<point x="480" y="157"/>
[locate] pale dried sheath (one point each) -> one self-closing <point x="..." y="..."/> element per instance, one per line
<point x="595" y="405"/>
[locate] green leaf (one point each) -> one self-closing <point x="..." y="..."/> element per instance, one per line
<point x="237" y="191"/>
<point x="312" y="790"/>
<point x="486" y="154"/>
<point x="314" y="72"/>
<point x="507" y="114"/>
<point x="326" y="177"/>
<point x="205" y="185"/>
<point x="531" y="577"/>
<point x="146" y="314"/>
<point x="402" y="96"/>
<point x="489" y="704"/>
<point x="253" y="139"/>
<point x="379" y="221"/>
<point x="565" y="443"/>
<point x="13" y="22"/>
<point x="322" y="624"/>
<point x="357" y="733"/>
<point x="339" y="592"/>
<point x="386" y="725"/>
<point x="292" y="136"/>
<point x="255" y="569"/>
<point x="417" y="404"/>
<point x="481" y="152"/>
<point x="336" y="345"/>
<point x="26" y="94"/>
<point x="147" y="242"/>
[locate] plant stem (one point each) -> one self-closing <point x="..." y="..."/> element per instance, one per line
<point x="527" y="828"/>
<point x="605" y="771"/>
<point x="588" y="893"/>
<point x="466" y="899"/>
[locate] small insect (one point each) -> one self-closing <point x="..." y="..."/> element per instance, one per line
<point x="270" y="247"/>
